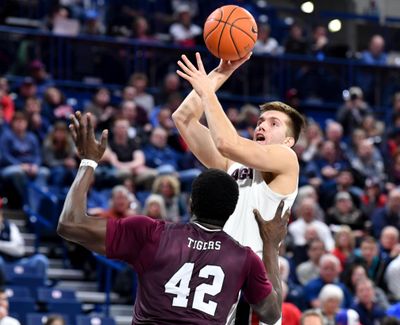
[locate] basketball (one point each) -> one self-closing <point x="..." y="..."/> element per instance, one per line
<point x="230" y="32"/>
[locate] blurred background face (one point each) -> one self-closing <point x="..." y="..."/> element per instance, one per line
<point x="307" y="209"/>
<point x="166" y="188"/>
<point x="316" y="250"/>
<point x="120" y="202"/>
<point x="358" y="274"/>
<point x="121" y="128"/>
<point x="389" y="238"/>
<point x="368" y="251"/>
<point x="365" y="292"/>
<point x="344" y="240"/>
<point x="159" y="138"/>
<point x="331" y="306"/>
<point x="154" y="210"/>
<point x="394" y="201"/>
<point x="102" y="97"/>
<point x="344" y="205"/>
<point x="328" y="271"/>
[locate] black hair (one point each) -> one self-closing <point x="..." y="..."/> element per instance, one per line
<point x="214" y="197"/>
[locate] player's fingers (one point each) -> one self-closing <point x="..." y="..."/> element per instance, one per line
<point x="73" y="132"/>
<point x="258" y="217"/>
<point x="104" y="139"/>
<point x="81" y="128"/>
<point x="74" y="121"/>
<point x="183" y="75"/>
<point x="200" y="62"/>
<point x="286" y="217"/>
<point x="89" y="125"/>
<point x="184" y="67"/>
<point x="278" y="213"/>
<point x="188" y="63"/>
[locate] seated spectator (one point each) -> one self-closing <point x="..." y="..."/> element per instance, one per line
<point x="295" y="42"/>
<point x="376" y="51"/>
<point x="368" y="161"/>
<point x="171" y="84"/>
<point x="141" y="29"/>
<point x="344" y="244"/>
<point x="373" y="128"/>
<point x="137" y="117"/>
<point x="125" y="157"/>
<point x="389" y="243"/>
<point x="319" y="42"/>
<point x="266" y="44"/>
<point x="21" y="157"/>
<point x="169" y="188"/>
<point x="310" y="192"/>
<point x="37" y="71"/>
<point x="373" y="197"/>
<point x="307" y="217"/>
<point x="368" y="255"/>
<point x="334" y="133"/>
<point x="6" y="102"/>
<point x="350" y="115"/>
<point x="329" y="270"/>
<point x="312" y="317"/>
<point x="161" y="156"/>
<point x="331" y="298"/>
<point x="12" y="249"/>
<point x="100" y="107"/>
<point x="154" y="207"/>
<point x="309" y="269"/>
<point x="357" y="272"/>
<point x="184" y="32"/>
<point x="344" y="212"/>
<point x="92" y="24"/>
<point x="392" y="278"/>
<point x="26" y="90"/>
<point x="365" y="305"/>
<point x="55" y="106"/>
<point x="4" y="307"/>
<point x="290" y="313"/>
<point x="37" y="123"/>
<point x="389" y="215"/>
<point x="59" y="155"/>
<point x="143" y="99"/>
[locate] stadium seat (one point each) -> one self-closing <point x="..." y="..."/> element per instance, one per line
<point x="67" y="307"/>
<point x="22" y="307"/>
<point x="94" y="320"/>
<point x="23" y="276"/>
<point x="40" y="319"/>
<point x="52" y="294"/>
<point x="16" y="291"/>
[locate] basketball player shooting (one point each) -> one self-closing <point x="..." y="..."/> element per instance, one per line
<point x="265" y="168"/>
<point x="188" y="273"/>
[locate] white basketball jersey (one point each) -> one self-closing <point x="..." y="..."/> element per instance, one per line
<point x="253" y="193"/>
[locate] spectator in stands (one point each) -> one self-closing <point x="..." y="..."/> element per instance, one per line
<point x="295" y="43"/>
<point x="55" y="320"/>
<point x="4" y="306"/>
<point x="344" y="212"/>
<point x="154" y="207"/>
<point x="357" y="272"/>
<point x="347" y="317"/>
<point x="352" y="112"/>
<point x="319" y="42"/>
<point x="92" y="25"/>
<point x="171" y="85"/>
<point x="369" y="256"/>
<point x="306" y="218"/>
<point x="395" y="112"/>
<point x="266" y="44"/>
<point x="394" y="171"/>
<point x="291" y="315"/>
<point x="389" y="215"/>
<point x="344" y="244"/>
<point x="334" y="133"/>
<point x="389" y="243"/>
<point x="331" y="297"/>
<point x="125" y="157"/>
<point x="6" y="102"/>
<point x="101" y="107"/>
<point x="41" y="77"/>
<point x="373" y="197"/>
<point x="309" y="269"/>
<point x="364" y="303"/>
<point x="59" y="155"/>
<point x="312" y="317"/>
<point x="137" y="117"/>
<point x="392" y="278"/>
<point x="329" y="267"/>
<point x="356" y="136"/>
<point x="12" y="249"/>
<point x="26" y="90"/>
<point x="143" y="99"/>
<point x="376" y="51"/>
<point x="184" y="32"/>
<point x="55" y="106"/>
<point x="161" y="156"/>
<point x="373" y="127"/>
<point x="21" y="156"/>
<point x="310" y="192"/>
<point x="141" y="29"/>
<point x="168" y="187"/>
<point x="37" y="123"/>
<point x="368" y="161"/>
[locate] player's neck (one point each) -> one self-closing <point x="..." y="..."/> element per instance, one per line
<point x="204" y="224"/>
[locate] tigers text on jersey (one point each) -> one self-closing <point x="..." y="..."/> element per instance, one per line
<point x="188" y="274"/>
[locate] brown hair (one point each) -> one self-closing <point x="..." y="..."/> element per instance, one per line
<point x="297" y="121"/>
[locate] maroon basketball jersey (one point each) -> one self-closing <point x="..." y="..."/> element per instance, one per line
<point x="188" y="274"/>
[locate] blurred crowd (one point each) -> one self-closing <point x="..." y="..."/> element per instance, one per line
<point x="343" y="245"/>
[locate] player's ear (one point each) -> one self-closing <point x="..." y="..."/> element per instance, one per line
<point x="289" y="141"/>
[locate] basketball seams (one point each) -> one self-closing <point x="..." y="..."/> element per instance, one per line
<point x="233" y="42"/>
<point x="230" y="24"/>
<point x="223" y="28"/>
<point x="219" y="21"/>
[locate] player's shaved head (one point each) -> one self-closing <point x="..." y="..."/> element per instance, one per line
<point x="214" y="197"/>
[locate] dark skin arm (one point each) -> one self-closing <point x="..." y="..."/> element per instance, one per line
<point x="272" y="233"/>
<point x="74" y="223"/>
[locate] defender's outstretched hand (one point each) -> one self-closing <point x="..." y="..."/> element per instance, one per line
<point x="83" y="134"/>
<point x="273" y="231"/>
<point x="197" y="77"/>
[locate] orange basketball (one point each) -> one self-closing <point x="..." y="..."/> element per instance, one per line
<point x="230" y="32"/>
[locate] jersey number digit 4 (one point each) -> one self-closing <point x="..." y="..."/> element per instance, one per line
<point x="178" y="285"/>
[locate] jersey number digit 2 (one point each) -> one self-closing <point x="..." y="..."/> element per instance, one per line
<point x="179" y="285"/>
